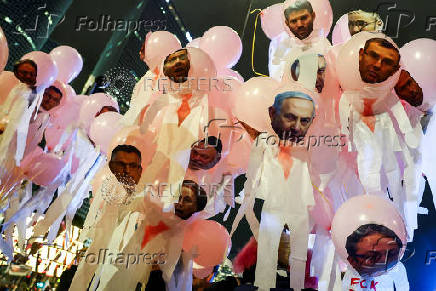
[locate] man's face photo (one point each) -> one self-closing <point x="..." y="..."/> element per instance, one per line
<point x="51" y="98"/>
<point x="373" y="253"/>
<point x="363" y="21"/>
<point x="293" y="119"/>
<point x="408" y="89"/>
<point x="378" y="62"/>
<point x="26" y="73"/>
<point x="177" y="65"/>
<point x="203" y="156"/>
<point x="126" y="166"/>
<point x="300" y="21"/>
<point x="187" y="204"/>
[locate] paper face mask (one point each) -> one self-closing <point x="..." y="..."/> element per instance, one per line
<point x="378" y="60"/>
<point x="299" y="18"/>
<point x="363" y="21"/>
<point x="373" y="249"/>
<point x="177" y="65"/>
<point x="302" y="72"/>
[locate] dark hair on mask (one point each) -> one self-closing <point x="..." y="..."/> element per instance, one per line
<point x="55" y="89"/>
<point x="383" y="43"/>
<point x="297" y="6"/>
<point x="26" y="61"/>
<point x="199" y="192"/>
<point x="365" y="230"/>
<point x="125" y="148"/>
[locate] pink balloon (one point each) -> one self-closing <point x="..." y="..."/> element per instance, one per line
<point x="223" y="45"/>
<point x="362" y="210"/>
<point x="92" y="105"/>
<point x="210" y="240"/>
<point x="104" y="128"/>
<point x="251" y="102"/>
<point x="341" y="32"/>
<point x="202" y="65"/>
<point x="202" y="272"/>
<point x="226" y="72"/>
<point x="419" y="59"/>
<point x="239" y="155"/>
<point x="348" y="74"/>
<point x="68" y="61"/>
<point x="7" y="83"/>
<point x="42" y="168"/>
<point x="46" y="68"/>
<point x="323" y="16"/>
<point x="4" y="50"/>
<point x="324" y="142"/>
<point x="270" y="20"/>
<point x="194" y="43"/>
<point x="158" y="45"/>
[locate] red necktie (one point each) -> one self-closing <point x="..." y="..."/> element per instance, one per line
<point x="285" y="160"/>
<point x="184" y="108"/>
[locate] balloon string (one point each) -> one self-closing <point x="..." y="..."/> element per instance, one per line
<point x="322" y="195"/>
<point x="254" y="41"/>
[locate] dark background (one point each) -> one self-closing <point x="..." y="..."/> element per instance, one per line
<point x="106" y="51"/>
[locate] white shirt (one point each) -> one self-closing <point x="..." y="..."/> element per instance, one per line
<point x="397" y="275"/>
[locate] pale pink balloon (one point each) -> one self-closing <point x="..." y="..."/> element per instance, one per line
<point x="158" y="45"/>
<point x="237" y="159"/>
<point x="202" y="65"/>
<point x="104" y="128"/>
<point x="202" y="272"/>
<point x="47" y="70"/>
<point x="361" y="210"/>
<point x="323" y="16"/>
<point x="419" y="59"/>
<point x="271" y="20"/>
<point x="223" y="45"/>
<point x="4" y="50"/>
<point x="91" y="105"/>
<point x="194" y="43"/>
<point x="68" y="61"/>
<point x="251" y="102"/>
<point x="341" y="32"/>
<point x="7" y="82"/>
<point x="324" y="142"/>
<point x="42" y="168"/>
<point x="210" y="239"/>
<point x="226" y="72"/>
<point x="347" y="70"/>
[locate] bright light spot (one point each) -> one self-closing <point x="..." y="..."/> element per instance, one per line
<point x="8" y="20"/>
<point x="418" y="55"/>
<point x="188" y="36"/>
<point x="168" y="1"/>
